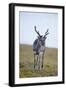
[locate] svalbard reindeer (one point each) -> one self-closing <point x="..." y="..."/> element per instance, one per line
<point x="39" y="49"/>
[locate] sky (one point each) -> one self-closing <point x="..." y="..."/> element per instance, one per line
<point x="43" y="21"/>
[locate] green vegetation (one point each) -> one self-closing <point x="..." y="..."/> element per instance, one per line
<point x="26" y="65"/>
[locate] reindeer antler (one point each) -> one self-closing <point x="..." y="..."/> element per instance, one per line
<point x="37" y="31"/>
<point x="46" y="33"/>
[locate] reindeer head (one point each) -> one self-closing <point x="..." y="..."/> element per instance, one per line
<point x="41" y="38"/>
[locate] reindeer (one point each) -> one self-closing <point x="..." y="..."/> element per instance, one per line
<point x="39" y="49"/>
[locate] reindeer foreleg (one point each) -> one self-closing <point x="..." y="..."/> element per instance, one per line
<point x="42" y="60"/>
<point x="38" y="61"/>
<point x="34" y="61"/>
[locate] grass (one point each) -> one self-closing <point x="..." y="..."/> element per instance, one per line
<point x="26" y="65"/>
